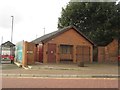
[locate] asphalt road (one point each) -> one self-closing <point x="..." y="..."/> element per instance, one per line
<point x="59" y="83"/>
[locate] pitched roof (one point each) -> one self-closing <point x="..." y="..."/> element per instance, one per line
<point x="49" y="36"/>
<point x="7" y="44"/>
<point x="108" y="42"/>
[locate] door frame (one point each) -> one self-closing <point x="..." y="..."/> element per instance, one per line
<point x="51" y="52"/>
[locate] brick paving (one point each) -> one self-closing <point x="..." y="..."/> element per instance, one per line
<point x="58" y="83"/>
<point x="60" y="76"/>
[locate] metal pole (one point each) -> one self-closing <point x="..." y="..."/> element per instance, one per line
<point x="12" y="29"/>
<point x="36" y="36"/>
<point x="44" y="30"/>
<point x="1" y="49"/>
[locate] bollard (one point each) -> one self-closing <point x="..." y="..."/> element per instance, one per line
<point x="81" y="64"/>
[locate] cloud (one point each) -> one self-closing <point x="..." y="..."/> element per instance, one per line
<point x="5" y="17"/>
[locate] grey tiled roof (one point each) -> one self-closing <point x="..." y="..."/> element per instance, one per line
<point x="40" y="39"/>
<point x="55" y="33"/>
<point x="7" y="44"/>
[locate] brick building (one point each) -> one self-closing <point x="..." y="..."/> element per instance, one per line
<point x="67" y="44"/>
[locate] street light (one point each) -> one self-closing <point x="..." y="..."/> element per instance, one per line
<point x="12" y="28"/>
<point x="44" y="30"/>
<point x="1" y="49"/>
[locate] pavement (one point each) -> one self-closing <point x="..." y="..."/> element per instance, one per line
<point x="59" y="83"/>
<point x="62" y="71"/>
<point x="60" y="76"/>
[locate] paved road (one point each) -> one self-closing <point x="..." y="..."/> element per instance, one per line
<point x="58" y="83"/>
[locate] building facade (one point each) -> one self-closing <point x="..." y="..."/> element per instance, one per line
<point x="67" y="44"/>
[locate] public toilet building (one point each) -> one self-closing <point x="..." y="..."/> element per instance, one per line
<point x="67" y="44"/>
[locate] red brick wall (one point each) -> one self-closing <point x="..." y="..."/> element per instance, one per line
<point x="109" y="53"/>
<point x="70" y="37"/>
<point x="112" y="49"/>
<point x="29" y="50"/>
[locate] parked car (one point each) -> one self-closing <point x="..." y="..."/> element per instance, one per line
<point x="5" y="59"/>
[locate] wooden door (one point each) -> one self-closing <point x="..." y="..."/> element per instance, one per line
<point x="51" y="53"/>
<point x="83" y="53"/>
<point x="86" y="53"/>
<point x="40" y="53"/>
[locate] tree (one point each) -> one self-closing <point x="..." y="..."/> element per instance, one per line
<point x="98" y="21"/>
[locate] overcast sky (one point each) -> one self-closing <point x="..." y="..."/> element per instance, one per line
<point x="30" y="17"/>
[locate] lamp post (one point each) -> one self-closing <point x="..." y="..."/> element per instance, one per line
<point x="1" y="49"/>
<point x="12" y="28"/>
<point x="44" y="30"/>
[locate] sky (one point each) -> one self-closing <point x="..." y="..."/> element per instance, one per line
<point x="30" y="18"/>
<point x="117" y="1"/>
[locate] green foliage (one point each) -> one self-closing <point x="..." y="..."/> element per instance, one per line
<point x="99" y="21"/>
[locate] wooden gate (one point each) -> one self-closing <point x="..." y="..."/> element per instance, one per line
<point x="51" y="52"/>
<point x="39" y="53"/>
<point x="30" y="53"/>
<point x="101" y="54"/>
<point x="83" y="53"/>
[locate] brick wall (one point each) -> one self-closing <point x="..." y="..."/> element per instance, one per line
<point x="70" y="37"/>
<point x="109" y="53"/>
<point x="112" y="49"/>
<point x="29" y="50"/>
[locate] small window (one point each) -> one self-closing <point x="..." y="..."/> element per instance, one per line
<point x="66" y="49"/>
